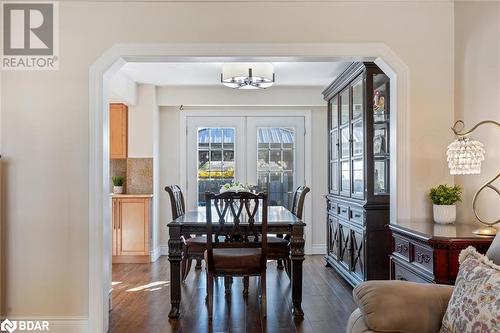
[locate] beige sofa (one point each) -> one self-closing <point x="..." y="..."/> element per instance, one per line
<point x="400" y="306"/>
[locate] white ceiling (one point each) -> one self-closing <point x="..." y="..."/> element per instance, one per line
<point x="208" y="73"/>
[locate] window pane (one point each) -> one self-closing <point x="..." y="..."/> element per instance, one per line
<point x="345" y="177"/>
<point x="344" y="143"/>
<point x="335" y="114"/>
<point x="276" y="163"/>
<point x="216" y="147"/>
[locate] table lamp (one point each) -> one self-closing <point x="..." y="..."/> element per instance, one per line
<point x="464" y="158"/>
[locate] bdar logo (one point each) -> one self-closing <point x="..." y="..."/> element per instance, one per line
<point x="8" y="326"/>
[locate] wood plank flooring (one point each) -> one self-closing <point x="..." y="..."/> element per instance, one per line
<point x="141" y="301"/>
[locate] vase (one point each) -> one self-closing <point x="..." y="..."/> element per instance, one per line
<point x="445" y="214"/>
<point x="117" y="189"/>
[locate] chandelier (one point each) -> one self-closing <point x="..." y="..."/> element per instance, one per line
<point x="240" y="75"/>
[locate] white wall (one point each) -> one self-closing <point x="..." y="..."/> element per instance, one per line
<point x="122" y="89"/>
<point x="477" y="97"/>
<point x="170" y="174"/>
<point x="221" y="95"/>
<point x="140" y="122"/>
<point x="45" y="117"/>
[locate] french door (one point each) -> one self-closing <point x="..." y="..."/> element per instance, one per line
<point x="267" y="152"/>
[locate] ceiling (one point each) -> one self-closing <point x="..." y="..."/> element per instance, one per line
<point x="208" y="73"/>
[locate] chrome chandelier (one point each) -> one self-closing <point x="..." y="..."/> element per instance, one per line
<point x="240" y="75"/>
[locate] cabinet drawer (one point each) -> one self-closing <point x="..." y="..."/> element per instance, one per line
<point x="404" y="274"/>
<point x="402" y="248"/>
<point x="356" y="215"/>
<point x="423" y="257"/>
<point x="343" y="211"/>
<point x="332" y="207"/>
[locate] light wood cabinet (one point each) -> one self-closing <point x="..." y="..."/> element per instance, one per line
<point x="118" y="131"/>
<point x="130" y="228"/>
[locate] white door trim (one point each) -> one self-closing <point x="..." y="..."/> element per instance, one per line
<point x="259" y="113"/>
<point x="116" y="56"/>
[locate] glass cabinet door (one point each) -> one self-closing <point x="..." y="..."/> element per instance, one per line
<point x="334" y="146"/>
<point x="357" y="162"/>
<point x="381" y="127"/>
<point x="345" y="142"/>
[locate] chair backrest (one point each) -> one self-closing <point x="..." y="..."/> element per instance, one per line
<point x="176" y="200"/>
<point x="235" y="209"/>
<point x="298" y="200"/>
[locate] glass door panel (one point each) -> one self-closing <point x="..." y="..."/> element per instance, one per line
<point x="345" y="182"/>
<point x="344" y="142"/>
<point x="275" y="164"/>
<point x="275" y="156"/>
<point x="335" y="113"/>
<point x="216" y="150"/>
<point x="344" y="107"/>
<point x="357" y="99"/>
<point x="358" y="187"/>
<point x="357" y="138"/>
<point x="381" y="120"/>
<point x="214" y="155"/>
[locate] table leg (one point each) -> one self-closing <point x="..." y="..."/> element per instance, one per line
<point x="280" y="262"/>
<point x="175" y="257"/>
<point x="297" y="256"/>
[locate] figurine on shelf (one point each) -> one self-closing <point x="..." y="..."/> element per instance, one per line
<point x="378" y="105"/>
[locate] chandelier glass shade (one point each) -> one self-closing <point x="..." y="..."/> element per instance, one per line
<point x="465" y="156"/>
<point x="242" y="75"/>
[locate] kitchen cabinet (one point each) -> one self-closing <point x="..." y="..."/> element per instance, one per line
<point x="130" y="228"/>
<point x="118" y="131"/>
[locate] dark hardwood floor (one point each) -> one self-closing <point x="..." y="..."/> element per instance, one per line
<point x="141" y="301"/>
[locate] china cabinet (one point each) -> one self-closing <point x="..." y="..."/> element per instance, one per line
<point x="358" y="173"/>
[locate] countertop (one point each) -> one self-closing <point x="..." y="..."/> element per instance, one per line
<point x="128" y="195"/>
<point x="429" y="229"/>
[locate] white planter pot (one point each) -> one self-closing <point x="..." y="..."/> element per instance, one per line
<point x="117" y="189"/>
<point x="445" y="214"/>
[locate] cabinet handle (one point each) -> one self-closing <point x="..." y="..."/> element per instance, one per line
<point x="401" y="248"/>
<point x="120" y="215"/>
<point x="423" y="258"/>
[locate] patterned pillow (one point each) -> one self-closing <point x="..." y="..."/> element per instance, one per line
<point x="475" y="303"/>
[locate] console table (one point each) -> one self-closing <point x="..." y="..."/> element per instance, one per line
<point x="423" y="251"/>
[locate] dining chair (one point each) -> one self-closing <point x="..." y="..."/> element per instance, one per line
<point x="279" y="246"/>
<point x="235" y="249"/>
<point x="193" y="247"/>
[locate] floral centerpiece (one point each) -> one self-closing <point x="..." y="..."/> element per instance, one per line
<point x="235" y="186"/>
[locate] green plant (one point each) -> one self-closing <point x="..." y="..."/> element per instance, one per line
<point x="117" y="180"/>
<point x="446" y="195"/>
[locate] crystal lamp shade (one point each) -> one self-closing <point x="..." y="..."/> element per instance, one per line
<point x="242" y="75"/>
<point x="465" y="156"/>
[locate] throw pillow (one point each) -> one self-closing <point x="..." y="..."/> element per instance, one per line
<point x="475" y="303"/>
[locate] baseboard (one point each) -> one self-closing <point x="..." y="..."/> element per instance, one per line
<point x="164" y="250"/>
<point x="318" y="249"/>
<point x="155" y="254"/>
<point x="60" y="324"/>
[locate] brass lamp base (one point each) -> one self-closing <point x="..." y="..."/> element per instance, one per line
<point x="486" y="231"/>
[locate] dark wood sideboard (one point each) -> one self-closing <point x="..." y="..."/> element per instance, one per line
<point x="423" y="251"/>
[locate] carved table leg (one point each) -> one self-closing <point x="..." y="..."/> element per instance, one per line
<point x="198" y="261"/>
<point x="297" y="256"/>
<point x="175" y="257"/>
<point x="280" y="262"/>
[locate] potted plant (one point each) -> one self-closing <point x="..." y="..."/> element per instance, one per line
<point x="444" y="198"/>
<point x="117" y="184"/>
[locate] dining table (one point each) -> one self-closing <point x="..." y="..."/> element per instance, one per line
<point x="194" y="222"/>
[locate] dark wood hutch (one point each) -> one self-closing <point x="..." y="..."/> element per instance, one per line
<point x="358" y="241"/>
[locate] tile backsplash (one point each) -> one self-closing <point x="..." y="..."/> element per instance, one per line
<point x="138" y="174"/>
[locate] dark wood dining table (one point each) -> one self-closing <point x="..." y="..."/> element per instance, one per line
<point x="280" y="221"/>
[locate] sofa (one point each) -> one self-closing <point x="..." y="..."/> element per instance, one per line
<point x="401" y="306"/>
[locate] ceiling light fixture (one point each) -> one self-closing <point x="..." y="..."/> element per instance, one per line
<point x="240" y="75"/>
